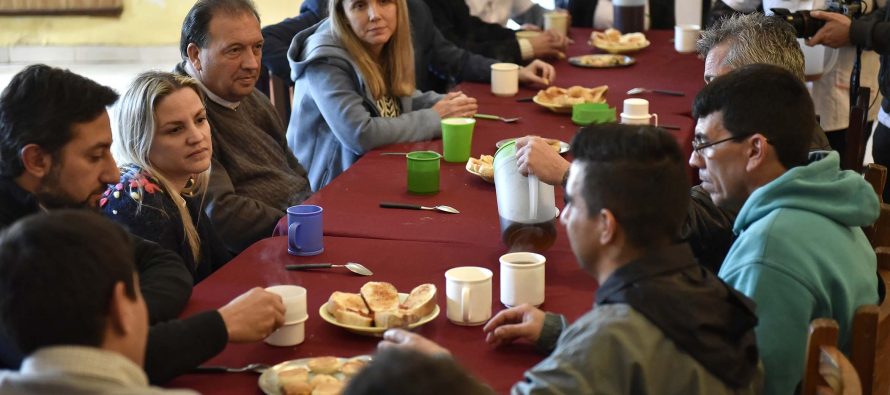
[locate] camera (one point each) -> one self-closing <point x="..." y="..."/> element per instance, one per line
<point x="806" y="26"/>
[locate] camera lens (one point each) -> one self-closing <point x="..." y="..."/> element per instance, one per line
<point x="810" y="25"/>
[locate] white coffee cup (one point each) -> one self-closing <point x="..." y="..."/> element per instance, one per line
<point x="504" y="79"/>
<point x="558" y="21"/>
<point x="522" y="279"/>
<point x="291" y="334"/>
<point x="468" y="289"/>
<point x="294" y="299"/>
<point x="685" y="37"/>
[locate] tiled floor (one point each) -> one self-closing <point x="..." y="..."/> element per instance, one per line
<point x="115" y="75"/>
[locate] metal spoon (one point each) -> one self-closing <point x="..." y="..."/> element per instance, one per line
<point x="354" y="267"/>
<point x="444" y="209"/>
<point x="254" y="367"/>
<point x="496" y="118"/>
<point x="635" y="91"/>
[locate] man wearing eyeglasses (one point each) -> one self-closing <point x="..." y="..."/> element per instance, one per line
<point x="799" y="253"/>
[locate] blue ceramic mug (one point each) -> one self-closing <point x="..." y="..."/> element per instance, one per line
<point x="304" y="230"/>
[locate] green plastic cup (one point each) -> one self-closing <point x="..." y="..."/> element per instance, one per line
<point x="423" y="172"/>
<point x="457" y="138"/>
<point x="590" y="113"/>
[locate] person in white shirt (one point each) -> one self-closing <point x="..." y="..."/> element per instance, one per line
<point x="81" y="319"/>
<point x="524" y="12"/>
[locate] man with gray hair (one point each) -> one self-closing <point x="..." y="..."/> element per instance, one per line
<point x="254" y="176"/>
<point x="747" y="39"/>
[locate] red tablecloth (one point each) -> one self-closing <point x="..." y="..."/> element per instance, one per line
<point x="405" y="264"/>
<point x="351" y="200"/>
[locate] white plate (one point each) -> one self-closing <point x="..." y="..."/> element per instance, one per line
<point x="268" y="381"/>
<point x="602" y="61"/>
<point x="563" y="146"/>
<point x="564" y="109"/>
<point x="374" y="331"/>
<point x="618" y="48"/>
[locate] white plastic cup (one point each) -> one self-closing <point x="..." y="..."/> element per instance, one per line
<point x="291" y="334"/>
<point x="504" y="79"/>
<point x="557" y="21"/>
<point x="469" y="295"/>
<point x="685" y="37"/>
<point x="522" y="279"/>
<point x="294" y="299"/>
<point x="636" y="107"/>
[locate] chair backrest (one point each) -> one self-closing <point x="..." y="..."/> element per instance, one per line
<point x="281" y="96"/>
<point x="856" y="127"/>
<point x="879" y="232"/>
<point x="827" y="370"/>
<point x="871" y="336"/>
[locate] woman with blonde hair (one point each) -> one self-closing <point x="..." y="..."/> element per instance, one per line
<point x="355" y="88"/>
<point x="162" y="144"/>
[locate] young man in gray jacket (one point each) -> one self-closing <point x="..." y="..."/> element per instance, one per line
<point x="662" y="324"/>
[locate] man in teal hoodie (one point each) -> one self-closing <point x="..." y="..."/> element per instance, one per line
<point x="800" y="252"/>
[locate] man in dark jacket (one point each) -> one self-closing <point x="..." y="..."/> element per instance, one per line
<point x="55" y="140"/>
<point x="439" y="64"/>
<point x="661" y="322"/>
<point x="453" y="19"/>
<point x="870" y="32"/>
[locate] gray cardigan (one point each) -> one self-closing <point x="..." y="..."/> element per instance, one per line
<point x="335" y="119"/>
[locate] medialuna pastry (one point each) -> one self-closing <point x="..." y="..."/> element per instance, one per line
<point x="556" y="96"/>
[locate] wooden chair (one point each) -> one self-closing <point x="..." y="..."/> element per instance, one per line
<point x="281" y="95"/>
<point x="870" y="352"/>
<point x="878" y="233"/>
<point x="856" y="129"/>
<point x="827" y="370"/>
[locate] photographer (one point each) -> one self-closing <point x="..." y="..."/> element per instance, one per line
<point x="871" y="32"/>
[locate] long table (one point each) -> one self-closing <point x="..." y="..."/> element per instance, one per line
<point x="405" y="264"/>
<point x="409" y="247"/>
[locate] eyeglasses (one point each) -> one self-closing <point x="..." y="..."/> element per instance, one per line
<point x="706" y="149"/>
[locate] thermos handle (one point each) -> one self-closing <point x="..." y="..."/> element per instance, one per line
<point x="532" y="196"/>
<point x="292" y="231"/>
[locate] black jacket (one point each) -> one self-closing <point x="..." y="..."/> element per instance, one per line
<point x="872" y="32"/>
<point x="174" y="346"/>
<point x="439" y="64"/>
<point x="155" y="217"/>
<point x="453" y="19"/>
<point x="709" y="320"/>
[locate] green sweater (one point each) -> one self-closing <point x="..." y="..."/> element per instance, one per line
<point x="800" y="254"/>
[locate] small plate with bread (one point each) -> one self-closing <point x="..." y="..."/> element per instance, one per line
<point x="482" y="167"/>
<point x="320" y="375"/>
<point x="379" y="306"/>
<point x="561" y="100"/>
<point x="612" y="41"/>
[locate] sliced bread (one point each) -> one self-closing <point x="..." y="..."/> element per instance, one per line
<point x="348" y="308"/>
<point x="419" y="303"/>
